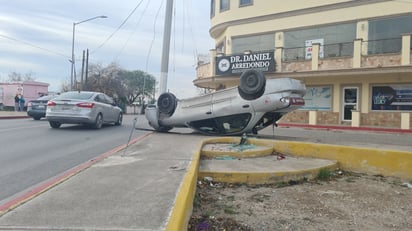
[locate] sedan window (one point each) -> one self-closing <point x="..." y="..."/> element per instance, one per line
<point x="75" y="95"/>
<point x="222" y="125"/>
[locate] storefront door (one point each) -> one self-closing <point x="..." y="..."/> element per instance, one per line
<point x="350" y="102"/>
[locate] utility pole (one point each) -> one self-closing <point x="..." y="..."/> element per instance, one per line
<point x="166" y="47"/>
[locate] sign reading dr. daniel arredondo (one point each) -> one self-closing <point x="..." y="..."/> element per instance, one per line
<point x="236" y="64"/>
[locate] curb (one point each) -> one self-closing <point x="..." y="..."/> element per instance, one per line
<point x="332" y="127"/>
<point x="363" y="160"/>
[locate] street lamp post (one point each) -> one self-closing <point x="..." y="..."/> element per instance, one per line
<point x="73" y="60"/>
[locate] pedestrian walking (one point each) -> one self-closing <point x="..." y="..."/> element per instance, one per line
<point x="17" y="102"/>
<point x="21" y="103"/>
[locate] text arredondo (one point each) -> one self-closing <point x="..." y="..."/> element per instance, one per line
<point x="248" y="61"/>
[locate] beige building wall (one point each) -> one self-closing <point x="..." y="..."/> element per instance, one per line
<point x="361" y="70"/>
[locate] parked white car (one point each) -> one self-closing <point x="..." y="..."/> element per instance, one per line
<point x="255" y="104"/>
<point x="83" y="107"/>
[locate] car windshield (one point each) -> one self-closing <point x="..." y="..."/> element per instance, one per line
<point x="222" y="125"/>
<point x="75" y="95"/>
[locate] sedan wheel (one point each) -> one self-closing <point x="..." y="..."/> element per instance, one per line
<point x="98" y="122"/>
<point x="54" y="124"/>
<point x="119" y="120"/>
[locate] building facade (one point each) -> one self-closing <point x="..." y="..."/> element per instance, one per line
<point x="29" y="89"/>
<point x="353" y="56"/>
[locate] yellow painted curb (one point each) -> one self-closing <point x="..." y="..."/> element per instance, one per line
<point x="364" y="160"/>
<point x="264" y="177"/>
<point x="183" y="207"/>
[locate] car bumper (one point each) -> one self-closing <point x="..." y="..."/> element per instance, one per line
<point x="34" y="113"/>
<point x="71" y="120"/>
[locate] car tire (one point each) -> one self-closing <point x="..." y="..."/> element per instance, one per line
<point x="36" y="118"/>
<point x="167" y="103"/>
<point x="98" y="123"/>
<point x="252" y="84"/>
<point x="55" y="124"/>
<point x="119" y="120"/>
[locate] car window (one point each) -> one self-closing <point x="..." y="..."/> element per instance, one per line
<point x="75" y="95"/>
<point x="222" y="125"/>
<point x="100" y="98"/>
<point x="109" y="100"/>
<point x="46" y="97"/>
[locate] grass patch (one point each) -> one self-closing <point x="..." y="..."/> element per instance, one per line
<point x="324" y="174"/>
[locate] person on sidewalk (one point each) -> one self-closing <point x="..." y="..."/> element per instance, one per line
<point x="21" y="103"/>
<point x="17" y="102"/>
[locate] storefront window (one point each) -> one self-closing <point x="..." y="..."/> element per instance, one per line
<point x="330" y="34"/>
<point x="335" y="41"/>
<point x="385" y="34"/>
<point x="318" y="98"/>
<point x="263" y="42"/>
<point x="392" y="97"/>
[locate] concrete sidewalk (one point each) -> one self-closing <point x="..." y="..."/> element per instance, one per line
<point x="13" y="114"/>
<point x="132" y="190"/>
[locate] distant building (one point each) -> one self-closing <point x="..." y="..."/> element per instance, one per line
<point x="353" y="56"/>
<point x="29" y="89"/>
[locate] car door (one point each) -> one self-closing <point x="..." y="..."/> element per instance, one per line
<point x="112" y="109"/>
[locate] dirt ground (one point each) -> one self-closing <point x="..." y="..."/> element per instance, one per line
<point x="339" y="201"/>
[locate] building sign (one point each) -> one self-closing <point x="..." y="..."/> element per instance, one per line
<point x="392" y="97"/>
<point x="318" y="98"/>
<point x="308" y="48"/>
<point x="237" y="64"/>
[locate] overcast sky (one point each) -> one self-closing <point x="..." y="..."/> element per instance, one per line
<point x="36" y="38"/>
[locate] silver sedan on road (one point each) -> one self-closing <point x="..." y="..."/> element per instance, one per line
<point x="255" y="104"/>
<point x="83" y="107"/>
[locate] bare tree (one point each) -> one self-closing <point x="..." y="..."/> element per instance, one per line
<point x="125" y="86"/>
<point x="18" y="77"/>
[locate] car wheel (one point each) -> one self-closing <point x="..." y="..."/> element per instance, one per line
<point x="252" y="84"/>
<point x="167" y="103"/>
<point x="119" y="120"/>
<point x="54" y="124"/>
<point x="98" y="123"/>
<point x="36" y="118"/>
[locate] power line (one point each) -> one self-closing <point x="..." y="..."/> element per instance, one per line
<point x="131" y="34"/>
<point x="154" y="35"/>
<point x="118" y="28"/>
<point x="35" y="46"/>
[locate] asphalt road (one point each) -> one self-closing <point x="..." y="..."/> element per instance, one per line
<point x="32" y="152"/>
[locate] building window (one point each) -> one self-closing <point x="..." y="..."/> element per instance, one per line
<point x="212" y="8"/>
<point x="224" y="5"/>
<point x="385" y="34"/>
<point x="245" y="3"/>
<point x="318" y="98"/>
<point x="254" y="43"/>
<point x="396" y="97"/>
<point x="337" y="41"/>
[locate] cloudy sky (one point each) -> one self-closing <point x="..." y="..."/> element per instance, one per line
<point x="36" y="38"/>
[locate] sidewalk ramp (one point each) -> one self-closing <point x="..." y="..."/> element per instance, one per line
<point x="226" y="160"/>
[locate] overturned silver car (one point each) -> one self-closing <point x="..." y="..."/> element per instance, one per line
<point x="255" y="104"/>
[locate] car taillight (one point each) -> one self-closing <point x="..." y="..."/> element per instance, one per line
<point x="85" y="105"/>
<point x="51" y="104"/>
